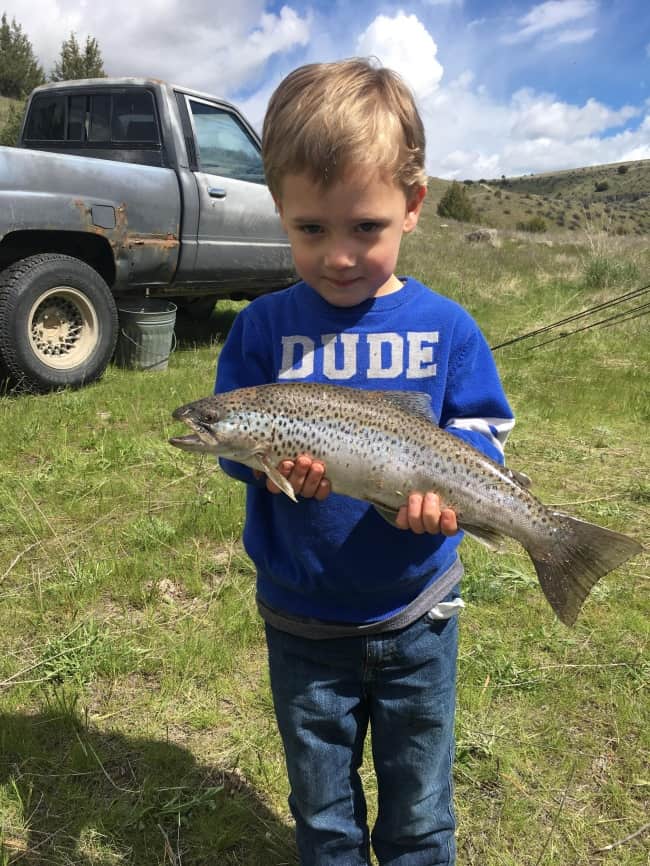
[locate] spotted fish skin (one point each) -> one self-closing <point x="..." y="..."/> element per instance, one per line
<point x="380" y="446"/>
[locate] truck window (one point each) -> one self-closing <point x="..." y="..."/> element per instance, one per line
<point x="76" y="118"/>
<point x="47" y="118"/>
<point x="134" y="117"/>
<point x="109" y="119"/>
<point x="225" y="147"/>
<point x="99" y="117"/>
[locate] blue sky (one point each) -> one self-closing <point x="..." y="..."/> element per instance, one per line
<point x="504" y="87"/>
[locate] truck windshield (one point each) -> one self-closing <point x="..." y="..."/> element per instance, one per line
<point x="225" y="147"/>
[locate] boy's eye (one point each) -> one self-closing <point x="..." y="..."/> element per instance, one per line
<point x="368" y="227"/>
<point x="310" y="229"/>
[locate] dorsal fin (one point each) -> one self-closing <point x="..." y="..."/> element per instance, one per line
<point x="416" y="402"/>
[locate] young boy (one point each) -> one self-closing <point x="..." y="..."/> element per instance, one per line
<point x="359" y="615"/>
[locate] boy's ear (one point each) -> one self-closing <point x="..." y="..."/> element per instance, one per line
<point x="414" y="203"/>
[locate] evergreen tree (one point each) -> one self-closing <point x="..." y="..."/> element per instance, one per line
<point x="20" y="72"/>
<point x="75" y="63"/>
<point x="455" y="204"/>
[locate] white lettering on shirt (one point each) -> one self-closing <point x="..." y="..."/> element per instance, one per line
<point x="349" y="344"/>
<point x="395" y="352"/>
<point x="421" y="344"/>
<point x="337" y="356"/>
<point x="290" y="368"/>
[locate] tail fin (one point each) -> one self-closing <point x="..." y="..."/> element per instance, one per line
<point x="582" y="554"/>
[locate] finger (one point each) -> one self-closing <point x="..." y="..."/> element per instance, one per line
<point x="414" y="513"/>
<point x="402" y="521"/>
<point x="299" y="472"/>
<point x="448" y="521"/>
<point x="284" y="469"/>
<point x="431" y="513"/>
<point x="324" y="489"/>
<point x="312" y="481"/>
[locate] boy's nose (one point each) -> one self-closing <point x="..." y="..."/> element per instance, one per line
<point x="340" y="256"/>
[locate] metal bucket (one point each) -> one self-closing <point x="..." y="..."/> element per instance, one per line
<point x="146" y="338"/>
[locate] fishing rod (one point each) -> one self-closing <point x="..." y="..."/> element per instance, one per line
<point x="620" y="299"/>
<point x="617" y="318"/>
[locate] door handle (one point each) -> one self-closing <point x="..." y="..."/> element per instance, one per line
<point x="216" y="192"/>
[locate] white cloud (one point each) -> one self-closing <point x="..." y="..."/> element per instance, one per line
<point x="404" y="44"/>
<point x="472" y="135"/>
<point x="550" y="16"/>
<point x="573" y="37"/>
<point x="539" y="115"/>
<point x="196" y="43"/>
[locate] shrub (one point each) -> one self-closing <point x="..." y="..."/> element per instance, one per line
<point x="455" y="204"/>
<point x="622" y="169"/>
<point x="10" y="129"/>
<point x="602" y="272"/>
<point x="534" y="224"/>
<point x="601" y="186"/>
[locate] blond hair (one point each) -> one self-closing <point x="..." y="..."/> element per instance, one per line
<point x="327" y="117"/>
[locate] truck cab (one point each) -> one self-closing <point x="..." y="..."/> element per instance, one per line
<point x="157" y="189"/>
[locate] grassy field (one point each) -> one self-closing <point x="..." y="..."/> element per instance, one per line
<point x="136" y="724"/>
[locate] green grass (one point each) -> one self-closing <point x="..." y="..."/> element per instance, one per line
<point x="136" y="724"/>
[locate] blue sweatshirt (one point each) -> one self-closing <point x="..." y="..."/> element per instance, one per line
<point x="337" y="560"/>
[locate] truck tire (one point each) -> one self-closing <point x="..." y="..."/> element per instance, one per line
<point x="58" y="323"/>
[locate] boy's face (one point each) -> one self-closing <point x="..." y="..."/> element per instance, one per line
<point x="345" y="239"/>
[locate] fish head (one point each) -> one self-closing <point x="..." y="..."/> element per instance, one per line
<point x="219" y="426"/>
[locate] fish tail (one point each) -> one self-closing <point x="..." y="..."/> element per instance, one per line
<point x="580" y="554"/>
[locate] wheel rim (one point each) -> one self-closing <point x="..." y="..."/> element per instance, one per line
<point x="63" y="329"/>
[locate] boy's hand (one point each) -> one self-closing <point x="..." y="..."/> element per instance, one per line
<point x="424" y="513"/>
<point x="305" y="475"/>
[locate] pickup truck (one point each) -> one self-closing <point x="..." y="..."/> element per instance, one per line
<point x="125" y="188"/>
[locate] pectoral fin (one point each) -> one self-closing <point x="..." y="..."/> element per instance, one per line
<point x="276" y="477"/>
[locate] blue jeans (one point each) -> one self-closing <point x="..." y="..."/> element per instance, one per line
<point x="326" y="693"/>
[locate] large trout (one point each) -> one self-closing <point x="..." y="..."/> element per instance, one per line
<point x="381" y="445"/>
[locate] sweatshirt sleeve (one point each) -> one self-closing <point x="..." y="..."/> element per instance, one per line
<point x="242" y="364"/>
<point x="475" y="407"/>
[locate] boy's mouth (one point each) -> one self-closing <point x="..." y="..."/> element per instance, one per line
<point x="343" y="284"/>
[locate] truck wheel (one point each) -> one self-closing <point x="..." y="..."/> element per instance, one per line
<point x="58" y="322"/>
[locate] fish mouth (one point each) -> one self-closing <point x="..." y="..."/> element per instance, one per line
<point x="191" y="442"/>
<point x="201" y="439"/>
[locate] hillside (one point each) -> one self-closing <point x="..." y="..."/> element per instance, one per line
<point x="614" y="198"/>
